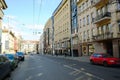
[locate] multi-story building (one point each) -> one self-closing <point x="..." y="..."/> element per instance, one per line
<point x="74" y="28"/>
<point x="8" y="41"/>
<point x="99" y="24"/>
<point x="41" y="44"/>
<point x="62" y="27"/>
<point x="18" y="41"/>
<point x="29" y="46"/>
<point x="86" y="27"/>
<point x="3" y="5"/>
<point x="48" y="37"/>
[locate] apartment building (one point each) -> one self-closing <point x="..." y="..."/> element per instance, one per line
<point x="3" y="6"/>
<point x="99" y="26"/>
<point x="41" y="44"/>
<point x="62" y="27"/>
<point x="29" y="46"/>
<point x="48" y="37"/>
<point x="8" y="41"/>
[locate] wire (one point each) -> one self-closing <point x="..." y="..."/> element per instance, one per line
<point x="33" y="12"/>
<point x="40" y="6"/>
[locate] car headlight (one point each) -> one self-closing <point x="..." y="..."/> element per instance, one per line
<point x="112" y="61"/>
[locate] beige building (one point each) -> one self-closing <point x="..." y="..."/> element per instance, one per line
<point x="29" y="46"/>
<point x="3" y="6"/>
<point x="99" y="26"/>
<point x="62" y="25"/>
<point x="48" y="37"/>
<point x="8" y="41"/>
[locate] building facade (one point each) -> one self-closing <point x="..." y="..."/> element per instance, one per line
<point x="3" y="6"/>
<point x="62" y="27"/>
<point x="48" y="37"/>
<point x="29" y="46"/>
<point x="99" y="23"/>
<point x="41" y="44"/>
<point x="8" y="41"/>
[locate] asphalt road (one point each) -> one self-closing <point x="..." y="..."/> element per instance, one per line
<point x="44" y="67"/>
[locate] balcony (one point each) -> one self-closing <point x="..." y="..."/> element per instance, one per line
<point x="105" y="36"/>
<point x="102" y="18"/>
<point x="99" y="3"/>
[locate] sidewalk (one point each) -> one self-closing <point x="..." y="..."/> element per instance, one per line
<point x="81" y="58"/>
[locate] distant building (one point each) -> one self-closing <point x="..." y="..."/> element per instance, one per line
<point x="3" y="6"/>
<point x="41" y="45"/>
<point x="29" y="46"/>
<point x="48" y="37"/>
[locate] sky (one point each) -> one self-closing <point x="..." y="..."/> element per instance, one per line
<point x="28" y="17"/>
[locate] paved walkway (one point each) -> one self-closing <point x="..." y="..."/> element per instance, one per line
<point x="82" y="58"/>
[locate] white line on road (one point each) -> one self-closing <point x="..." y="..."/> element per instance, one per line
<point x="77" y="70"/>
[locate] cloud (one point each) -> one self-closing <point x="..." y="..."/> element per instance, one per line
<point x="35" y="27"/>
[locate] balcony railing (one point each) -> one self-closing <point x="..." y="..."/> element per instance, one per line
<point x="106" y="15"/>
<point x="99" y="2"/>
<point x="107" y="35"/>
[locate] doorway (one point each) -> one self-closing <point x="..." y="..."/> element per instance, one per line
<point x="109" y="47"/>
<point x="119" y="47"/>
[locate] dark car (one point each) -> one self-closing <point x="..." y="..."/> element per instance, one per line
<point x="20" y="56"/>
<point x="104" y="59"/>
<point x="5" y="67"/>
<point x="13" y="60"/>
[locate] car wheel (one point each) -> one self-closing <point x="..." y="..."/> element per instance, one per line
<point x="105" y="64"/>
<point x="91" y="61"/>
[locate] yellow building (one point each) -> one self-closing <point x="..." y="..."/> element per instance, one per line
<point x="48" y="37"/>
<point x="99" y="26"/>
<point x="62" y="25"/>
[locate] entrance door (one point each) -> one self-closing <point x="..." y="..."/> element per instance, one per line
<point x="119" y="47"/>
<point x="109" y="47"/>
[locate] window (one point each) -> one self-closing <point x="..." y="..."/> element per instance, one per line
<point x="79" y="9"/>
<point x="88" y="19"/>
<point x="84" y="35"/>
<point x="84" y="21"/>
<point x="83" y="6"/>
<point x="80" y="23"/>
<point x="104" y="28"/>
<point x="119" y="25"/>
<point x="88" y="32"/>
<point x="92" y="17"/>
<point x="118" y="6"/>
<point x="109" y="27"/>
<point x="99" y="30"/>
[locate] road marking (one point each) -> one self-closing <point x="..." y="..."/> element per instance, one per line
<point x="33" y="68"/>
<point x="40" y="74"/>
<point x="74" y="73"/>
<point x="88" y="74"/>
<point x="29" y="78"/>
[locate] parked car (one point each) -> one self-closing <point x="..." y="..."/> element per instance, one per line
<point x="5" y="67"/>
<point x="13" y="60"/>
<point x="20" y="56"/>
<point x="104" y="59"/>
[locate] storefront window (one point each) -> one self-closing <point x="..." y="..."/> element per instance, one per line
<point x="119" y="25"/>
<point x="91" y="49"/>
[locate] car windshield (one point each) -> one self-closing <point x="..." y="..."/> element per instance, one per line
<point x="10" y="56"/>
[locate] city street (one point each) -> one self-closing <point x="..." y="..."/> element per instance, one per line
<point x="44" y="67"/>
